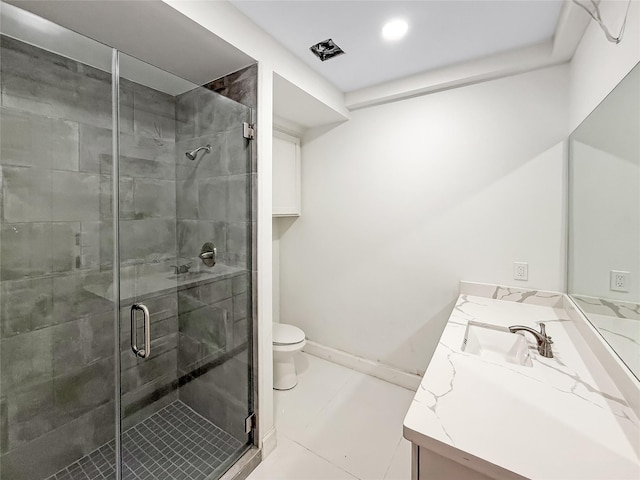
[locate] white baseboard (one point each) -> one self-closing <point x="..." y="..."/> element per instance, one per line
<point x="375" y="369"/>
<point x="269" y="443"/>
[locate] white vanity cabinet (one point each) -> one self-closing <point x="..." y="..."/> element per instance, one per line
<point x="427" y="465"/>
<point x="482" y="413"/>
<point x="286" y="175"/>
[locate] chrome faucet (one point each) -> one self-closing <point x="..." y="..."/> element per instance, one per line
<point x="544" y="341"/>
<point x="184" y="268"/>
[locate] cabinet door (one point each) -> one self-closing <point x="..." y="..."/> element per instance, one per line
<point x="430" y="465"/>
<point x="286" y="175"/>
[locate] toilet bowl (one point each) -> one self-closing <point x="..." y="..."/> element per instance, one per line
<point x="287" y="341"/>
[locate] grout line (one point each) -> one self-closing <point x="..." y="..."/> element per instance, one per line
<point x="331" y="401"/>
<point x="325" y="459"/>
<point x="337" y="391"/>
<point x="393" y="457"/>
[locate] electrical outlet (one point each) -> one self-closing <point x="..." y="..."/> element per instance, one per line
<point x="619" y="281"/>
<point x="520" y="271"/>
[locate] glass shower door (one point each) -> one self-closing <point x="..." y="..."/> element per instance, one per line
<point x="155" y="368"/>
<point x="185" y="276"/>
<point x="57" y="312"/>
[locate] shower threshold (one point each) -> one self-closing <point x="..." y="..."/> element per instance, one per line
<point x="175" y="443"/>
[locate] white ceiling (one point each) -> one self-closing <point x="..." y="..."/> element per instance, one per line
<point x="441" y="33"/>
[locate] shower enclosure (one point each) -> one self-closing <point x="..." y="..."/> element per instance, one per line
<point x="125" y="266"/>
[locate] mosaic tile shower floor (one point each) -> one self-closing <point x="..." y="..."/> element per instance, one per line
<point x="175" y="443"/>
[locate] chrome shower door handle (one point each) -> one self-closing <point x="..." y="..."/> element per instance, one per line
<point x="146" y="351"/>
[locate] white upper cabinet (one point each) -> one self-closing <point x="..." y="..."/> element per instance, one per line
<point x="286" y="175"/>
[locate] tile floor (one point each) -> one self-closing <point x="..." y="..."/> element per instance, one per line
<point x="338" y="424"/>
<point x="174" y="443"/>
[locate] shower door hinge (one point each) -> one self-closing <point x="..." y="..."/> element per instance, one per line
<point x="250" y="423"/>
<point x="248" y="130"/>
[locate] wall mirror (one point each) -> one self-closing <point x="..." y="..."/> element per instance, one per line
<point x="604" y="219"/>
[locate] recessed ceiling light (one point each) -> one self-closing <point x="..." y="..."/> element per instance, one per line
<point x="394" y="29"/>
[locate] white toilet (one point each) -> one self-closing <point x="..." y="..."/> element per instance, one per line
<point x="287" y="341"/>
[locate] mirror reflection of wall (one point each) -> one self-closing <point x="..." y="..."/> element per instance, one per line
<point x="604" y="219"/>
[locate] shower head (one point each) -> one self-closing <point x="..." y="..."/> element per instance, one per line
<point x="194" y="153"/>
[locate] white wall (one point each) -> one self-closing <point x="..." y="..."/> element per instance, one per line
<point x="598" y="65"/>
<point x="605" y="201"/>
<point x="605" y="195"/>
<point x="606" y="229"/>
<point x="408" y="198"/>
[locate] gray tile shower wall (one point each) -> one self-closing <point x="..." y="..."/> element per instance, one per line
<point x="214" y="197"/>
<point x="56" y="237"/>
<point x="56" y="333"/>
<point x="141" y="378"/>
<point x="220" y="395"/>
<point x="241" y="86"/>
<point x="210" y="321"/>
<point x="41" y="82"/>
<point x="213" y="192"/>
<point x="214" y="354"/>
<point x="220" y="389"/>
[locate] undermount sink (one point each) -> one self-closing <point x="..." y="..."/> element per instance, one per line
<point x="496" y="343"/>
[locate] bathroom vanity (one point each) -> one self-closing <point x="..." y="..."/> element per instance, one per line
<point x="487" y="409"/>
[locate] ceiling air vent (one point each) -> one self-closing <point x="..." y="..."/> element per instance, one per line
<point x="326" y="50"/>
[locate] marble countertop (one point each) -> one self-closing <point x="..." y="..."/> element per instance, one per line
<point x="619" y="323"/>
<point x="561" y="418"/>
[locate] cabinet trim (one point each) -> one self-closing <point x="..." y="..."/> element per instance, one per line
<point x="297" y="210"/>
